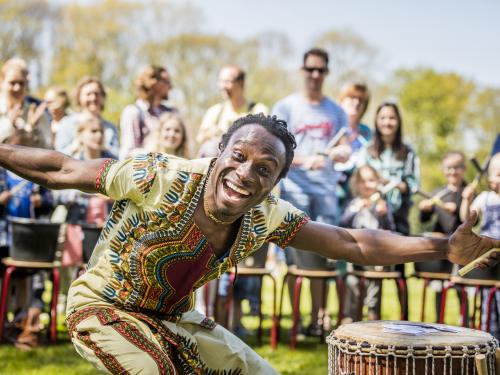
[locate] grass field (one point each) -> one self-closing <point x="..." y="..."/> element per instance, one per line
<point x="310" y="357"/>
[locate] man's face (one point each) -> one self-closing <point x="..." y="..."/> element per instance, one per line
<point x="314" y="71"/>
<point x="228" y="83"/>
<point x="245" y="172"/>
<point x="15" y="84"/>
<point x="454" y="169"/>
<point x="92" y="98"/>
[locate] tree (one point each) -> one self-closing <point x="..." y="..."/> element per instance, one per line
<point x="352" y="57"/>
<point x="433" y="106"/>
<point x="23" y="26"/>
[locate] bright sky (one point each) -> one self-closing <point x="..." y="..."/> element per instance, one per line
<point x="461" y="36"/>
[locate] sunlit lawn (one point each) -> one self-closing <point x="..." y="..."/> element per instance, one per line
<point x="310" y="357"/>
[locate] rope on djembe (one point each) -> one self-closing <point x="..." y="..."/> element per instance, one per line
<point x="347" y="357"/>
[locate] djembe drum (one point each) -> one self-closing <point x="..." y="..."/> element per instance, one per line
<point x="402" y="348"/>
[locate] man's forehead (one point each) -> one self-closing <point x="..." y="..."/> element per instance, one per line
<point x="256" y="134"/>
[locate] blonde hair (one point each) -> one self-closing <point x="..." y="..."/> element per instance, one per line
<point x="157" y="145"/>
<point x="17" y="64"/>
<point x="60" y="93"/>
<point x="494" y="162"/>
<point x="356" y="177"/>
<point x="356" y="89"/>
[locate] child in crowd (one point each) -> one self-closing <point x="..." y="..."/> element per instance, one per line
<point x="487" y="204"/>
<point x="170" y="137"/>
<point x="447" y="212"/>
<point x="81" y="207"/>
<point x="368" y="210"/>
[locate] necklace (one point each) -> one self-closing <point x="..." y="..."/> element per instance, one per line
<point x="210" y="215"/>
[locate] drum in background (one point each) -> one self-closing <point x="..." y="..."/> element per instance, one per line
<point x="90" y="237"/>
<point x="33" y="240"/>
<point x="376" y="347"/>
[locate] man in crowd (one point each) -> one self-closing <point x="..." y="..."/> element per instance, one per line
<point x="314" y="119"/>
<point x="180" y="223"/>
<point x="220" y="116"/>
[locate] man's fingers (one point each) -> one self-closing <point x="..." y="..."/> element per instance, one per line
<point x="470" y="221"/>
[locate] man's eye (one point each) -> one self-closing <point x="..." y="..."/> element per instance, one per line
<point x="237" y="156"/>
<point x="264" y="171"/>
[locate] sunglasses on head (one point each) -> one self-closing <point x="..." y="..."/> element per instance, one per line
<point x="312" y="69"/>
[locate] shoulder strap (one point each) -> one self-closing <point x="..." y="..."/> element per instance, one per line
<point x="140" y="132"/>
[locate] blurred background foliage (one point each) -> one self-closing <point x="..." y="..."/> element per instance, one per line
<point x="112" y="39"/>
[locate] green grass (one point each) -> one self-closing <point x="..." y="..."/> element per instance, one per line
<point x="310" y="356"/>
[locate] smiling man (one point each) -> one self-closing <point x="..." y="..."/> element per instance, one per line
<point x="177" y="224"/>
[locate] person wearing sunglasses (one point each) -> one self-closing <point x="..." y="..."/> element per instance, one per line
<point x="314" y="119"/>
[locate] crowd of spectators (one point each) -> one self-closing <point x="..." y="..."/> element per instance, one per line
<point x="345" y="172"/>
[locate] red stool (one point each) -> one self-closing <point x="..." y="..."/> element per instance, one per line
<point x="313" y="267"/>
<point x="257" y="272"/>
<point x="437" y="270"/>
<point x="13" y="265"/>
<point x="480" y="280"/>
<point x="253" y="266"/>
<point x="374" y="275"/>
<point x="34" y="246"/>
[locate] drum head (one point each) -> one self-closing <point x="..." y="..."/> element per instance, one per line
<point x="402" y="333"/>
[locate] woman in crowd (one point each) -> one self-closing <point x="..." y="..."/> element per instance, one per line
<point x="57" y="102"/>
<point x="397" y="164"/>
<point x="90" y="98"/>
<point x="81" y="207"/>
<point x="395" y="161"/>
<point x="170" y="137"/>
<point x="18" y="111"/>
<point x="141" y="119"/>
<point x="354" y="99"/>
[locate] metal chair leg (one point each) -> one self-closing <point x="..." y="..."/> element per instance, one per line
<point x="296" y="312"/>
<point x="5" y="298"/>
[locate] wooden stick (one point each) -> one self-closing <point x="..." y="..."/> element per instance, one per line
<point x="436" y="199"/>
<point x="481" y="364"/>
<point x="18" y="187"/>
<point x="469" y="267"/>
<point x="497" y="361"/>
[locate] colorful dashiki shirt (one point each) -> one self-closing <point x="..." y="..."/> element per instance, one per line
<point x="151" y="255"/>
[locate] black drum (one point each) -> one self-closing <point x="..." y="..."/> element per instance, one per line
<point x="91" y="235"/>
<point x="33" y="240"/>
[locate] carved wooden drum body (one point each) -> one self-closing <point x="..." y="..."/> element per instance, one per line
<point x="402" y="348"/>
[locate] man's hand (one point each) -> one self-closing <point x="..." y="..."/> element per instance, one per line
<point x="464" y="245"/>
<point x="313" y="162"/>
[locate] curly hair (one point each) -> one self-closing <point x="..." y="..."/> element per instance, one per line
<point x="273" y="125"/>
<point x="85" y="80"/>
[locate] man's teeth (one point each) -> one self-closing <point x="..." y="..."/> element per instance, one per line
<point x="237" y="189"/>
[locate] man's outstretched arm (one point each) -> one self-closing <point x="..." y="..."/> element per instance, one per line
<point x="375" y="247"/>
<point x="49" y="168"/>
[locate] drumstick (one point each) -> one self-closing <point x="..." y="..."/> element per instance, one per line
<point x="481" y="170"/>
<point x="336" y="139"/>
<point x="469" y="267"/>
<point x="18" y="187"/>
<point x="436" y="199"/>
<point x="481" y="364"/>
